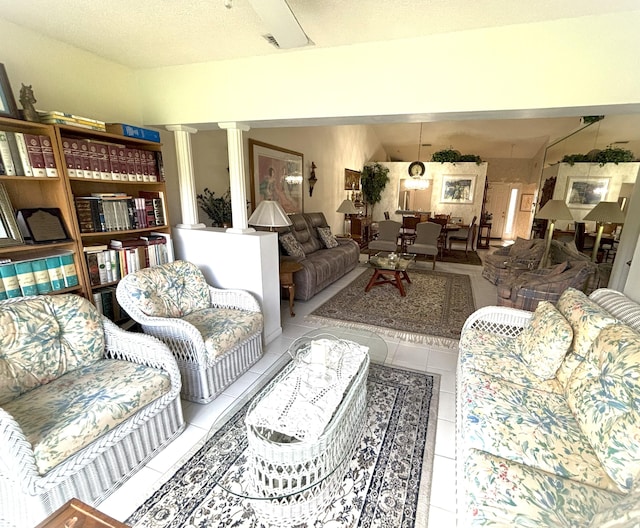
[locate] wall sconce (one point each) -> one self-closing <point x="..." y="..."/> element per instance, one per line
<point x="312" y="178"/>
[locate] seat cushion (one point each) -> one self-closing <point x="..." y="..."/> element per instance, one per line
<point x="224" y="329"/>
<point x="69" y="413"/>
<point x="43" y="338"/>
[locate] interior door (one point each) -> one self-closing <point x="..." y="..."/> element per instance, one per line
<point x="497" y="204"/>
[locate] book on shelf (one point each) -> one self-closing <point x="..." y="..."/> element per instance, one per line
<point x="3" y="294"/>
<point x="134" y="132"/>
<point x="62" y="118"/>
<point x="49" y="159"/>
<point x="10" y="280"/>
<point x="169" y="244"/>
<point x="56" y="274"/>
<point x="157" y="206"/>
<point x="34" y="152"/>
<point x="5" y="155"/>
<point x="69" y="270"/>
<point x="41" y="275"/>
<point x="26" y="278"/>
<point x="114" y="162"/>
<point x="15" y="153"/>
<point x="23" y="153"/>
<point x="94" y="160"/>
<point x="103" y="161"/>
<point x="85" y="159"/>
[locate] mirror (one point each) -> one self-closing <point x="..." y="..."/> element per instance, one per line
<point x="9" y="232"/>
<point x="411" y="199"/>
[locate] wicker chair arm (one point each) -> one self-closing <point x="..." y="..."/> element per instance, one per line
<point x="17" y="460"/>
<point x="142" y="349"/>
<point x="498" y="319"/>
<point x="241" y="299"/>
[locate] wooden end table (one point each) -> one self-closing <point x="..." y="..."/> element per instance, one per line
<point x="77" y="514"/>
<point x="287" y="269"/>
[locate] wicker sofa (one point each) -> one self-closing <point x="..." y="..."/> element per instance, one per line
<point x="83" y="405"/>
<point x="321" y="265"/>
<point x="547" y="414"/>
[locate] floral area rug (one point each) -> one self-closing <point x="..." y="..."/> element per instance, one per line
<point x="436" y="306"/>
<point x="387" y="483"/>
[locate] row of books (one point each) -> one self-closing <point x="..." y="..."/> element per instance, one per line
<point x="108" y="263"/>
<point x="62" y="118"/>
<point x="23" y="154"/>
<point x="106" y="302"/>
<point x="102" y="212"/>
<point x="97" y="160"/>
<point x="38" y="276"/>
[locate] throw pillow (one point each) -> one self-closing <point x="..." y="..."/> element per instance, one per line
<point x="543" y="344"/>
<point x="327" y="238"/>
<point x="291" y="245"/>
<point x="520" y="247"/>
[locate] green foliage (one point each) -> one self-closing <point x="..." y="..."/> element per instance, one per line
<point x="609" y="155"/>
<point x="452" y="156"/>
<point x="217" y="208"/>
<point x="374" y="179"/>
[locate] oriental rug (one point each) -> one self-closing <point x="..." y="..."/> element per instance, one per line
<point x="387" y="483"/>
<point x="458" y="256"/>
<point x="433" y="311"/>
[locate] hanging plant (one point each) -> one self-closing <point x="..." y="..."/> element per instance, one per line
<point x="453" y="156"/>
<point x="609" y="155"/>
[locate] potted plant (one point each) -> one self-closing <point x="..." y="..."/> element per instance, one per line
<point x="451" y="156"/>
<point x="373" y="180"/>
<point x="217" y="208"/>
<point x="609" y="155"/>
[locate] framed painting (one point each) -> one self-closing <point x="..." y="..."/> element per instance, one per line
<point x="8" y="106"/>
<point x="351" y="180"/>
<point x="526" y="202"/>
<point x="584" y="194"/>
<point x="458" y="189"/>
<point x="276" y="174"/>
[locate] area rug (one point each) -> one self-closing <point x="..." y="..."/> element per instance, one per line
<point x="457" y="256"/>
<point x="433" y="312"/>
<point x="388" y="482"/>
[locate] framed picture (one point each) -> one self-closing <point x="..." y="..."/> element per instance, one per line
<point x="42" y="225"/>
<point x="351" y="180"/>
<point x="8" y="106"/>
<point x="9" y="232"/>
<point x="458" y="189"/>
<point x="276" y="174"/>
<point x="526" y="202"/>
<point x="585" y="194"/>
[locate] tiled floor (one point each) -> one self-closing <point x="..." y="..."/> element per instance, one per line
<point x="200" y="418"/>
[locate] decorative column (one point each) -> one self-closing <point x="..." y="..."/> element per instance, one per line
<point x="185" y="176"/>
<point x="237" y="181"/>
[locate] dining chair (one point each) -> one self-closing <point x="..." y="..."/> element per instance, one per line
<point x="464" y="234"/>
<point x="387" y="240"/>
<point x="442" y="220"/>
<point x="426" y="241"/>
<point x="408" y="234"/>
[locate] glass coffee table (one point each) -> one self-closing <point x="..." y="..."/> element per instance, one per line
<point x="390" y="268"/>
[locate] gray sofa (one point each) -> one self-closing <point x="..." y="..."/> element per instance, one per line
<point x="320" y="266"/>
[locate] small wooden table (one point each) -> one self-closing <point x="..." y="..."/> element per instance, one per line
<point x="287" y="269"/>
<point x="77" y="514"/>
<point x="387" y="271"/>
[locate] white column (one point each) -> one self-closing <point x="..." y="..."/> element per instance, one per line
<point x="186" y="178"/>
<point x="235" y="148"/>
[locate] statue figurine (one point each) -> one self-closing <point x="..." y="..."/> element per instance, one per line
<point x="27" y="99"/>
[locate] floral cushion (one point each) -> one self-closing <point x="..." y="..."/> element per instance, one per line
<point x="604" y="395"/>
<point x="43" y="338"/>
<point x="223" y="329"/>
<point x="502" y="493"/>
<point x="291" y="245"/>
<point x="69" y="413"/>
<point x="544" y="342"/>
<point x="496" y="355"/>
<point x="327" y="237"/>
<point x="527" y="426"/>
<point x="170" y="290"/>
<point x="623" y="514"/>
<point x="586" y="319"/>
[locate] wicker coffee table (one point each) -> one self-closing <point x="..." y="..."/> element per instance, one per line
<point x="292" y="481"/>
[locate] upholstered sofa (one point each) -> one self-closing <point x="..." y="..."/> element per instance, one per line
<point x="323" y="261"/>
<point x="83" y="405"/>
<point x="547" y="423"/>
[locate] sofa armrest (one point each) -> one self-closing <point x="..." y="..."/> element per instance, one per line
<point x="16" y="453"/>
<point x="229" y="298"/>
<point x="499" y="320"/>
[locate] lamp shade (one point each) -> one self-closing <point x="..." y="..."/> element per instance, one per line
<point x="347" y="207"/>
<point x="606" y="213"/>
<point x="555" y="210"/>
<point x="269" y="214"/>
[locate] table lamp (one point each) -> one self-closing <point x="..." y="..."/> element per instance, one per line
<point x="553" y="210"/>
<point x="603" y="213"/>
<point x="348" y="208"/>
<point x="269" y="214"/>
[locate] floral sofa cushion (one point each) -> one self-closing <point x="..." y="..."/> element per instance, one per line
<point x="506" y="494"/>
<point x="223" y="329"/>
<point x="43" y="338"/>
<point x="527" y="426"/>
<point x="170" y="290"/>
<point x="586" y="319"/>
<point x="545" y="341"/>
<point x="623" y="514"/>
<point x="70" y="412"/>
<point x="610" y="376"/>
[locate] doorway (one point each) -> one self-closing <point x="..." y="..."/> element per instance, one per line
<point x="497" y="204"/>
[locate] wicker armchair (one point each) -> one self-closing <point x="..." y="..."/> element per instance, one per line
<point x="84" y="405"/>
<point x="214" y="334"/>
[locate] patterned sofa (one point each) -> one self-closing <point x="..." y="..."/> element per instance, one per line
<point x="324" y="258"/>
<point x="547" y="422"/>
<point x="83" y="405"/>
